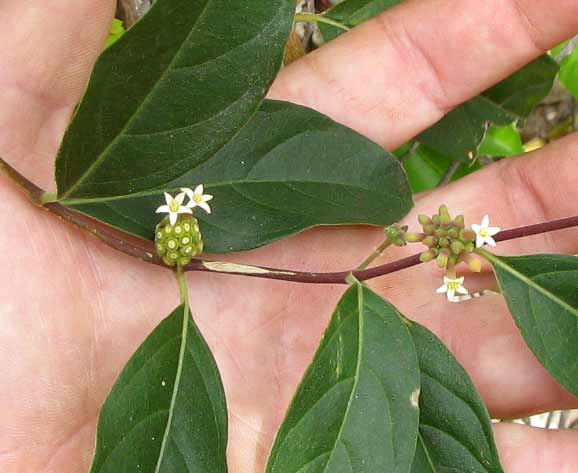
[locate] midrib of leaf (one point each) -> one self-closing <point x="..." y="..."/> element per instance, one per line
<point x="357" y="368"/>
<point x="496" y="260"/>
<point x="177" y="382"/>
<point x="157" y="191"/>
<point x="426" y="451"/>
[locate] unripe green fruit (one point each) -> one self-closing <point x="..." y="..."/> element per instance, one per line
<point x="177" y="244"/>
<point x="430" y="241"/>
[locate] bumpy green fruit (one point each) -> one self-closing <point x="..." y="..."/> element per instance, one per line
<point x="177" y="244"/>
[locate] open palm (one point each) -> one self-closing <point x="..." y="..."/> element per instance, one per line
<point x="73" y="310"/>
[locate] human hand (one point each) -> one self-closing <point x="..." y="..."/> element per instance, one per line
<point x="74" y="310"/>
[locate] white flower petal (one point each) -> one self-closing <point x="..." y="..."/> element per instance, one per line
<point x="462" y="290"/>
<point x="453" y="299"/>
<point x="173" y="218"/>
<point x="443" y="289"/>
<point x="163" y="209"/>
<point x="168" y="198"/>
<point x="451" y="294"/>
<point x="490" y="241"/>
<point x="205" y="207"/>
<point x="480" y="240"/>
<point x="460" y="280"/>
<point x="476" y="228"/>
<point x="486" y="221"/>
<point x="207" y="197"/>
<point x="184" y="210"/>
<point x="180" y="198"/>
<point x="446" y="279"/>
<point x="188" y="192"/>
<point x="493" y="230"/>
<point x="199" y="189"/>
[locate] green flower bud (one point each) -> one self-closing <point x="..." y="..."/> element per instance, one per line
<point x="430" y="241"/>
<point x="445" y="219"/>
<point x="453" y="233"/>
<point x="457" y="247"/>
<point x="441" y="233"/>
<point x="442" y="260"/>
<point x="443" y="211"/>
<point x="427" y="256"/>
<point x="414" y="237"/>
<point x="459" y="221"/>
<point x="424" y="220"/>
<point x="453" y="260"/>
<point x="444" y="242"/>
<point x="469" y="246"/>
<point x="429" y="229"/>
<point x="435" y="219"/>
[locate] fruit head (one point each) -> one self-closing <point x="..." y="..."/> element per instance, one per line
<point x="177" y="244"/>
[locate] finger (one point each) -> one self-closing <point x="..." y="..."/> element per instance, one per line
<point x="481" y="333"/>
<point x="47" y="50"/>
<point x="526" y="449"/>
<point x="401" y="71"/>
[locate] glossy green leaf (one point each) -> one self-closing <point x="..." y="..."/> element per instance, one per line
<point x="502" y="141"/>
<point x="288" y="169"/>
<point x="426" y="168"/>
<point x="170" y="93"/>
<point x="166" y="412"/>
<point x="455" y="428"/>
<point x="356" y="407"/>
<point x="461" y="131"/>
<point x="569" y="72"/>
<point x="542" y="295"/>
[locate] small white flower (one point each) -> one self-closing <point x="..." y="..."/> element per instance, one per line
<point x="484" y="232"/>
<point x="197" y="198"/>
<point x="451" y="286"/>
<point x="174" y="207"/>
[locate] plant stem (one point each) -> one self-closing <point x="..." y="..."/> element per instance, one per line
<point x="313" y="18"/>
<point x="145" y="249"/>
<point x="376" y="254"/>
<point x="183" y="287"/>
<point x="447" y="177"/>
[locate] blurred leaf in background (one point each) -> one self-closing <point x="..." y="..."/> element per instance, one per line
<point x="116" y="31"/>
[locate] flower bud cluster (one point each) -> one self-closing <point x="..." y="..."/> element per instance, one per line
<point x="177" y="244"/>
<point x="447" y="240"/>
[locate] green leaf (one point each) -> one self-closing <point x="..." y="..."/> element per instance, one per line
<point x="426" y="167"/>
<point x="356" y="407"/>
<point x="116" y="31"/>
<point x="502" y="141"/>
<point x="166" y="412"/>
<point x="525" y="88"/>
<point x="542" y="295"/>
<point x="170" y="93"/>
<point x="455" y="428"/>
<point x="569" y="72"/>
<point x="288" y="169"/>
<point x="422" y="463"/>
<point x="460" y="132"/>
<point x="351" y="13"/>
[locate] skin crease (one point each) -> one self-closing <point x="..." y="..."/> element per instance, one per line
<point x="73" y="311"/>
